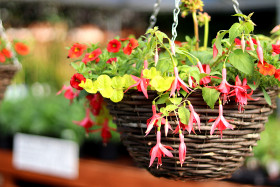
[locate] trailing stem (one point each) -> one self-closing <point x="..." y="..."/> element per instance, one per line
<point x="195" y="22"/>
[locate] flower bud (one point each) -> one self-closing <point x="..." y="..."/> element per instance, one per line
<point x="251" y="43"/>
<point x="243" y="44"/>
<point x="260" y="51"/>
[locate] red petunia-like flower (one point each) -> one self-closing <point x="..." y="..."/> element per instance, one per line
<point x="7" y="53"/>
<point x="277" y="74"/>
<point x="266" y="68"/>
<point x="68" y="94"/>
<point x="21" y="48"/>
<point x="76" y="80"/>
<point x="110" y="60"/>
<point x="133" y="43"/>
<point x="92" y="56"/>
<point x="276" y="48"/>
<point x="2" y="58"/>
<point x="114" y="46"/>
<point x="76" y="50"/>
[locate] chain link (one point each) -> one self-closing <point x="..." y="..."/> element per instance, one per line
<point x="8" y="45"/>
<point x="153" y="18"/>
<point x="236" y="8"/>
<point x="176" y="12"/>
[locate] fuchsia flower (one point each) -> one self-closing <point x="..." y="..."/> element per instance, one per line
<point x="215" y="51"/>
<point x="182" y="149"/>
<point x="205" y="68"/>
<point x="177" y="83"/>
<point x="167" y="127"/>
<point x="252" y="43"/>
<point x="68" y="94"/>
<point x="152" y="121"/>
<point x="260" y="51"/>
<point x="275" y="29"/>
<point x="87" y="123"/>
<point x="141" y="83"/>
<point x="194" y="118"/>
<point x="95" y="103"/>
<point x="156" y="56"/>
<point x="220" y="122"/>
<point x="224" y="87"/>
<point x="159" y="150"/>
<point x="106" y="134"/>
<point x="240" y="93"/>
<point x="243" y="44"/>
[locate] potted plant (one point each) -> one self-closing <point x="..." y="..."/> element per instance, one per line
<point x="171" y="98"/>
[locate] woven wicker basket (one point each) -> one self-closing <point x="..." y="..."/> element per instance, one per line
<point x="7" y="72"/>
<point x="208" y="157"/>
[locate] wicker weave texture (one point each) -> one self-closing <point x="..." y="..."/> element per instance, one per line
<point x="7" y="72"/>
<point x="208" y="157"/>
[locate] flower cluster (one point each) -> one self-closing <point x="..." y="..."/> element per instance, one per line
<point x="238" y="63"/>
<point x="6" y="55"/>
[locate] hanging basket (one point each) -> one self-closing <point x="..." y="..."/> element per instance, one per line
<point x="7" y="73"/>
<point x="208" y="156"/>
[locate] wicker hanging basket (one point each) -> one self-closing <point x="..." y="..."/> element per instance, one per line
<point x="7" y="72"/>
<point x="208" y="157"/>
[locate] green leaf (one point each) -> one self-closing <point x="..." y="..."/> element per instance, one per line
<point x="254" y="83"/>
<point x="235" y="31"/>
<point x="210" y="96"/>
<point x="162" y="99"/>
<point x="75" y="66"/>
<point x="266" y="96"/>
<point x="241" y="15"/>
<point x="171" y="107"/>
<point x="176" y="101"/>
<point x="117" y="95"/>
<point x="184" y="114"/>
<point x="248" y="27"/>
<point x="150" y="73"/>
<point x="218" y="41"/>
<point x="242" y="61"/>
<point x="164" y="111"/>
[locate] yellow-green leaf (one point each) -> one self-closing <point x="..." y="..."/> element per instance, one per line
<point x="118" y="82"/>
<point x="117" y="95"/>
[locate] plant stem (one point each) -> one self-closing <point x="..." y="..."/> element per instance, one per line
<point x="206" y="31"/>
<point x="195" y="23"/>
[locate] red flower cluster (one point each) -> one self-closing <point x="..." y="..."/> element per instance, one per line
<point x="133" y="43"/>
<point x="76" y="50"/>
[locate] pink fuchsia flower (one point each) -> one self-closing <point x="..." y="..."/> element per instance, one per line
<point x="133" y="43"/>
<point x="182" y="149"/>
<point x="141" y="83"/>
<point x="194" y="118"/>
<point x="252" y="43"/>
<point x="277" y="74"/>
<point x="110" y="60"/>
<point x="156" y="56"/>
<point x="177" y="84"/>
<point x="220" y="122"/>
<point x="76" y="50"/>
<point x="87" y="123"/>
<point x="259" y="51"/>
<point x="183" y="127"/>
<point x="205" y="68"/>
<point x="114" y="46"/>
<point x="167" y="127"/>
<point x="106" y="134"/>
<point x="224" y="87"/>
<point x="68" y="94"/>
<point x="243" y="44"/>
<point x="152" y="121"/>
<point x="266" y="68"/>
<point x="215" y="51"/>
<point x="159" y="150"/>
<point x="275" y="29"/>
<point x="89" y="57"/>
<point x="95" y="103"/>
<point x="240" y="93"/>
<point x="76" y="79"/>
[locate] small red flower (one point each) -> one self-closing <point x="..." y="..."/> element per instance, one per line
<point x="92" y="56"/>
<point x="2" y="58"/>
<point x="76" y="50"/>
<point x="68" y="94"/>
<point x="277" y="74"/>
<point x="76" y="80"/>
<point x="21" y="48"/>
<point x="266" y="68"/>
<point x="7" y="53"/>
<point x="87" y="123"/>
<point x="95" y="103"/>
<point x="110" y="60"/>
<point x="114" y="46"/>
<point x="133" y="43"/>
<point x="276" y="49"/>
<point x="106" y="134"/>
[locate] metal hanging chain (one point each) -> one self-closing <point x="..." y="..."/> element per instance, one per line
<point x="176" y="12"/>
<point x="236" y="8"/>
<point x="153" y="18"/>
<point x="8" y="45"/>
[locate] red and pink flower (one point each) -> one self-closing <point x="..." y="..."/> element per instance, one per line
<point x="87" y="123"/>
<point x="76" y="50"/>
<point x="133" y="43"/>
<point x="76" y="80"/>
<point x="69" y="93"/>
<point x="93" y="56"/>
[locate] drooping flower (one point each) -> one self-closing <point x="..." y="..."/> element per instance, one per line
<point x="87" y="123"/>
<point x="76" y="80"/>
<point x="21" y="48"/>
<point x="94" y="55"/>
<point x="156" y="56"/>
<point x="182" y="149"/>
<point x="7" y="53"/>
<point x="110" y="60"/>
<point x="220" y="122"/>
<point x="76" y="50"/>
<point x="205" y="68"/>
<point x="159" y="150"/>
<point x="69" y="93"/>
<point x="215" y="51"/>
<point x="106" y="134"/>
<point x="133" y="43"/>
<point x="224" y="87"/>
<point x="2" y="58"/>
<point x="177" y="84"/>
<point x="252" y="43"/>
<point x="266" y="68"/>
<point x="194" y="118"/>
<point x="152" y="121"/>
<point x="260" y="51"/>
<point x="167" y="127"/>
<point x="95" y="103"/>
<point x="277" y="74"/>
<point x="114" y="46"/>
<point x="276" y="49"/>
<point x="243" y="44"/>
